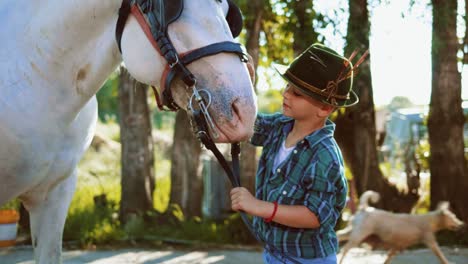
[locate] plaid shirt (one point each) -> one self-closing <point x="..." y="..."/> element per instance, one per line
<point x="313" y="175"/>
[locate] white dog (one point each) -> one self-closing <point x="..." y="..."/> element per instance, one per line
<point x="396" y="231"/>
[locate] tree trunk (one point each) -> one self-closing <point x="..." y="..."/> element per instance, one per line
<point x="253" y="25"/>
<point x="355" y="127"/>
<point x="304" y="33"/>
<point x="186" y="180"/>
<point x="448" y="166"/>
<point x="137" y="148"/>
<point x="24" y="221"/>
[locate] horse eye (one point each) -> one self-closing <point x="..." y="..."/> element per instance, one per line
<point x="219" y="1"/>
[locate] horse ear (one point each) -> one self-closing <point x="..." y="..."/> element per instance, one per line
<point x="234" y="19"/>
<point x="172" y="10"/>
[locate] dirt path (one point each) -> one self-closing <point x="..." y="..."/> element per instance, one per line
<point x="23" y="255"/>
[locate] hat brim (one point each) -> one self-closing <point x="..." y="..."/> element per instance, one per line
<point x="353" y="98"/>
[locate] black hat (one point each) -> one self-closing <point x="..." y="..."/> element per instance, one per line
<point x="323" y="74"/>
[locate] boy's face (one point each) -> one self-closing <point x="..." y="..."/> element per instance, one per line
<point x="301" y="107"/>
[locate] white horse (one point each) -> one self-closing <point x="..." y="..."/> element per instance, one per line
<point x="54" y="57"/>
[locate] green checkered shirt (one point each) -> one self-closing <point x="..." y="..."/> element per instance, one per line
<point x="313" y="175"/>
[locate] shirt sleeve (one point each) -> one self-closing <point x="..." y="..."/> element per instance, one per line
<point x="326" y="192"/>
<point x="263" y="127"/>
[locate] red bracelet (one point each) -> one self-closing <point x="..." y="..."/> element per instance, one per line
<point x="269" y="219"/>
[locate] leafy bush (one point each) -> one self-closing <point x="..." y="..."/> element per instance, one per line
<point x="12" y="204"/>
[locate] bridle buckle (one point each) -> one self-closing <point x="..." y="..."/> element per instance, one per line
<point x="203" y="108"/>
<point x="172" y="64"/>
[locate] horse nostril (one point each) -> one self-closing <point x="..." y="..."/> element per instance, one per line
<point x="235" y="107"/>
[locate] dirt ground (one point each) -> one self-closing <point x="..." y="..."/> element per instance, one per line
<point x="23" y="255"/>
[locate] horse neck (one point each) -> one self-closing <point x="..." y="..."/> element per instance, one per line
<point x="73" y="42"/>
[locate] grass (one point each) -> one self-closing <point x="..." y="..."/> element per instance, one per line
<point x="163" y="184"/>
<point x="98" y="174"/>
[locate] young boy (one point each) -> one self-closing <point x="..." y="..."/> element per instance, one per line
<point x="300" y="184"/>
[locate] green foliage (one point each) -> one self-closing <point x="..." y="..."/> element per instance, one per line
<point x="110" y="129"/>
<point x="423" y="151"/>
<point x="177" y="228"/>
<point x="270" y="101"/>
<point x="163" y="120"/>
<point x="236" y="230"/>
<point x="12" y="204"/>
<point x="174" y="214"/>
<point x="286" y="26"/>
<point x="108" y="103"/>
<point x="163" y="183"/>
<point x="91" y="224"/>
<point x="135" y="227"/>
<point x="107" y="98"/>
<point x="399" y="102"/>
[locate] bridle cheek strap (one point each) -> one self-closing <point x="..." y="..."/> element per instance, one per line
<point x="136" y="11"/>
<point x="157" y="97"/>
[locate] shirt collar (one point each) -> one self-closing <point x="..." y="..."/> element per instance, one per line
<point x="325" y="132"/>
<point x="315" y="137"/>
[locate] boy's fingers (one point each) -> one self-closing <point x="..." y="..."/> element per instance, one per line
<point x="235" y="206"/>
<point x="235" y="190"/>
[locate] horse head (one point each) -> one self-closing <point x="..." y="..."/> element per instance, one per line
<point x="221" y="77"/>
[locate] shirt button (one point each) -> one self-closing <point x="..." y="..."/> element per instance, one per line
<point x="295" y="151"/>
<point x="302" y="141"/>
<point x="278" y="170"/>
<point x="285" y="192"/>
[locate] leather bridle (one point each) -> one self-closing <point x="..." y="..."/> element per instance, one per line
<point x="154" y="16"/>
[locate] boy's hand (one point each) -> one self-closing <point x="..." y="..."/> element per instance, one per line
<point x="242" y="199"/>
